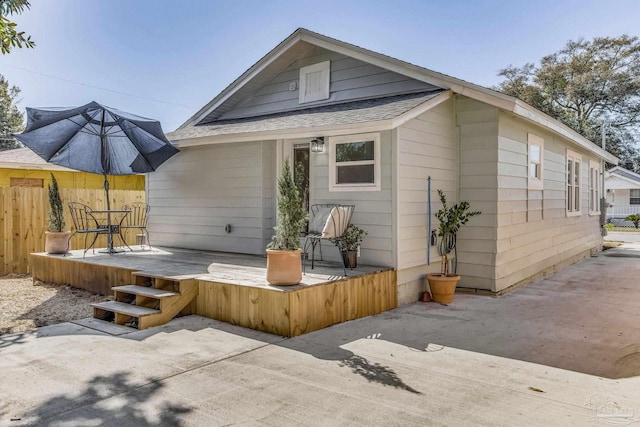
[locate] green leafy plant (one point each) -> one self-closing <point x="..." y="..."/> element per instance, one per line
<point x="352" y="238"/>
<point x="451" y="219"/>
<point x="56" y="212"/>
<point x="634" y="218"/>
<point x="291" y="215"/>
<point x="609" y="226"/>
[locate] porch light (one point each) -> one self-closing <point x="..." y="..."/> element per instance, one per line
<point x="317" y="145"/>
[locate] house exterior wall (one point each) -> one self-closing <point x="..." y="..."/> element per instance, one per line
<point x="426" y="147"/>
<point x="479" y="167"/>
<point x="350" y="79"/>
<point x="534" y="232"/>
<point x="373" y="211"/>
<point x="194" y="195"/>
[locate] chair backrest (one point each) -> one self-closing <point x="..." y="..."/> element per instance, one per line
<point x="137" y="216"/>
<point x="330" y="220"/>
<point x="82" y="219"/>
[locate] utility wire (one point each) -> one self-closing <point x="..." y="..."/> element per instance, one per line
<point x="97" y="87"/>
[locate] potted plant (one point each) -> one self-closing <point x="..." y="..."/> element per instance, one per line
<point x="349" y="245"/>
<point x="56" y="240"/>
<point x="443" y="285"/>
<point x="284" y="261"/>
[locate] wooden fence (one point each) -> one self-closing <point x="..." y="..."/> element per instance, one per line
<point x="24" y="219"/>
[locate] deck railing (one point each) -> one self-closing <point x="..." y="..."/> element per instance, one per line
<point x="23" y="220"/>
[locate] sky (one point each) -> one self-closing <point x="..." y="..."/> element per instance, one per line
<point x="166" y="59"/>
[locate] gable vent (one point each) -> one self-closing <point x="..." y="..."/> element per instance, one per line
<point x="314" y="82"/>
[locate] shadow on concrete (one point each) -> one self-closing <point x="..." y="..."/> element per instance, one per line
<point x="108" y="401"/>
<point x="13" y="339"/>
<point x="376" y="373"/>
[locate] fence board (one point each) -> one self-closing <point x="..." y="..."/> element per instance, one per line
<point x="24" y="219"/>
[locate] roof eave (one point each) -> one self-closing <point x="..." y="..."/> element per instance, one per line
<point x="308" y="132"/>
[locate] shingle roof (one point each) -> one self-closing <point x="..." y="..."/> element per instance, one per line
<point x="627" y="174"/>
<point x="25" y="158"/>
<point x="363" y="111"/>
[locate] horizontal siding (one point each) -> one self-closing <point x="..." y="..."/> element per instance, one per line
<point x="373" y="209"/>
<point x="534" y="232"/>
<point x="478" y="124"/>
<point x="350" y="79"/>
<point x="205" y="188"/>
<point x="427" y="147"/>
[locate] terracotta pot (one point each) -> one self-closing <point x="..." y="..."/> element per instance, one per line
<point x="442" y="287"/>
<point x="284" y="268"/>
<point x="56" y="242"/>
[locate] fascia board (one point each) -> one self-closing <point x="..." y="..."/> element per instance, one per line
<point x="312" y="132"/>
<point x="526" y="111"/>
<point x="36" y="166"/>
<point x="422" y="108"/>
<point x="236" y="85"/>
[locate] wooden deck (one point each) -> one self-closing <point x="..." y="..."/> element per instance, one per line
<point x="233" y="287"/>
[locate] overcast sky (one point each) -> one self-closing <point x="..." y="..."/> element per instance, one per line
<point x="166" y="59"/>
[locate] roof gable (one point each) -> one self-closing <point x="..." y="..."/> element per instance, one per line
<point x="350" y="80"/>
<point x="304" y="43"/>
<point x="624" y="174"/>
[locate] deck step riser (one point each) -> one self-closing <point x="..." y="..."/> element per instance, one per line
<point x="152" y="301"/>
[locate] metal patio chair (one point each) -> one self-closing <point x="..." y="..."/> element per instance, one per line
<point x="329" y="221"/>
<point x="85" y="223"/>
<point x="136" y="220"/>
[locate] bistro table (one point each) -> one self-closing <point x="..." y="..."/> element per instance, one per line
<point x="104" y="219"/>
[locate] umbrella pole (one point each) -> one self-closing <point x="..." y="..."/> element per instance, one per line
<point x="109" y="234"/>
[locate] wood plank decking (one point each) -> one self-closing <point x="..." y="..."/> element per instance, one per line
<point x="233" y="287"/>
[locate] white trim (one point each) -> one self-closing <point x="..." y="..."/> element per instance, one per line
<point x="574" y="157"/>
<point x="471" y="90"/>
<point x="420" y="109"/>
<point x="535" y="183"/>
<point x="594" y="187"/>
<point x="312" y="132"/>
<point x="375" y="137"/>
<point x="324" y="69"/>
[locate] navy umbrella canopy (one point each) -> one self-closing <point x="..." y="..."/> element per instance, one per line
<point x="96" y="139"/>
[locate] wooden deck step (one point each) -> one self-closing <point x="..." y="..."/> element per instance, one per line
<point x="145" y="291"/>
<point x="123" y="308"/>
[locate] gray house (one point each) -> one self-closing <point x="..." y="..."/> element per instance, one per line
<point x="537" y="182"/>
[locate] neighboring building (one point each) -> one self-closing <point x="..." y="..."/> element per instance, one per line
<point x="623" y="192"/>
<point x="387" y="127"/>
<point x="22" y="167"/>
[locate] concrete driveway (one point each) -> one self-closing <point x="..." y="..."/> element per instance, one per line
<point x="562" y="351"/>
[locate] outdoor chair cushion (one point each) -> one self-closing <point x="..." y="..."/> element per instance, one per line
<point x="319" y="220"/>
<point x="336" y="223"/>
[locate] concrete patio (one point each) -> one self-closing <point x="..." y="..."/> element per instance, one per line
<point x="561" y="351"/>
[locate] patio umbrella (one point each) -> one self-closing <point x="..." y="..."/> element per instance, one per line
<point x="96" y="139"/>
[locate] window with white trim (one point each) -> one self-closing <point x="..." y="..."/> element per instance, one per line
<point x="536" y="152"/>
<point x="314" y="82"/>
<point x="574" y="162"/>
<point x="634" y="196"/>
<point x="354" y="162"/>
<point x="594" y="187"/>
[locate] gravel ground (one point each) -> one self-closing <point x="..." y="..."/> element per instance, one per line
<point x="25" y="305"/>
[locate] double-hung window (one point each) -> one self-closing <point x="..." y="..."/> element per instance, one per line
<point x="354" y="162"/>
<point x="574" y="164"/>
<point x="634" y="196"/>
<point x="594" y="187"/>
<point x="536" y="150"/>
